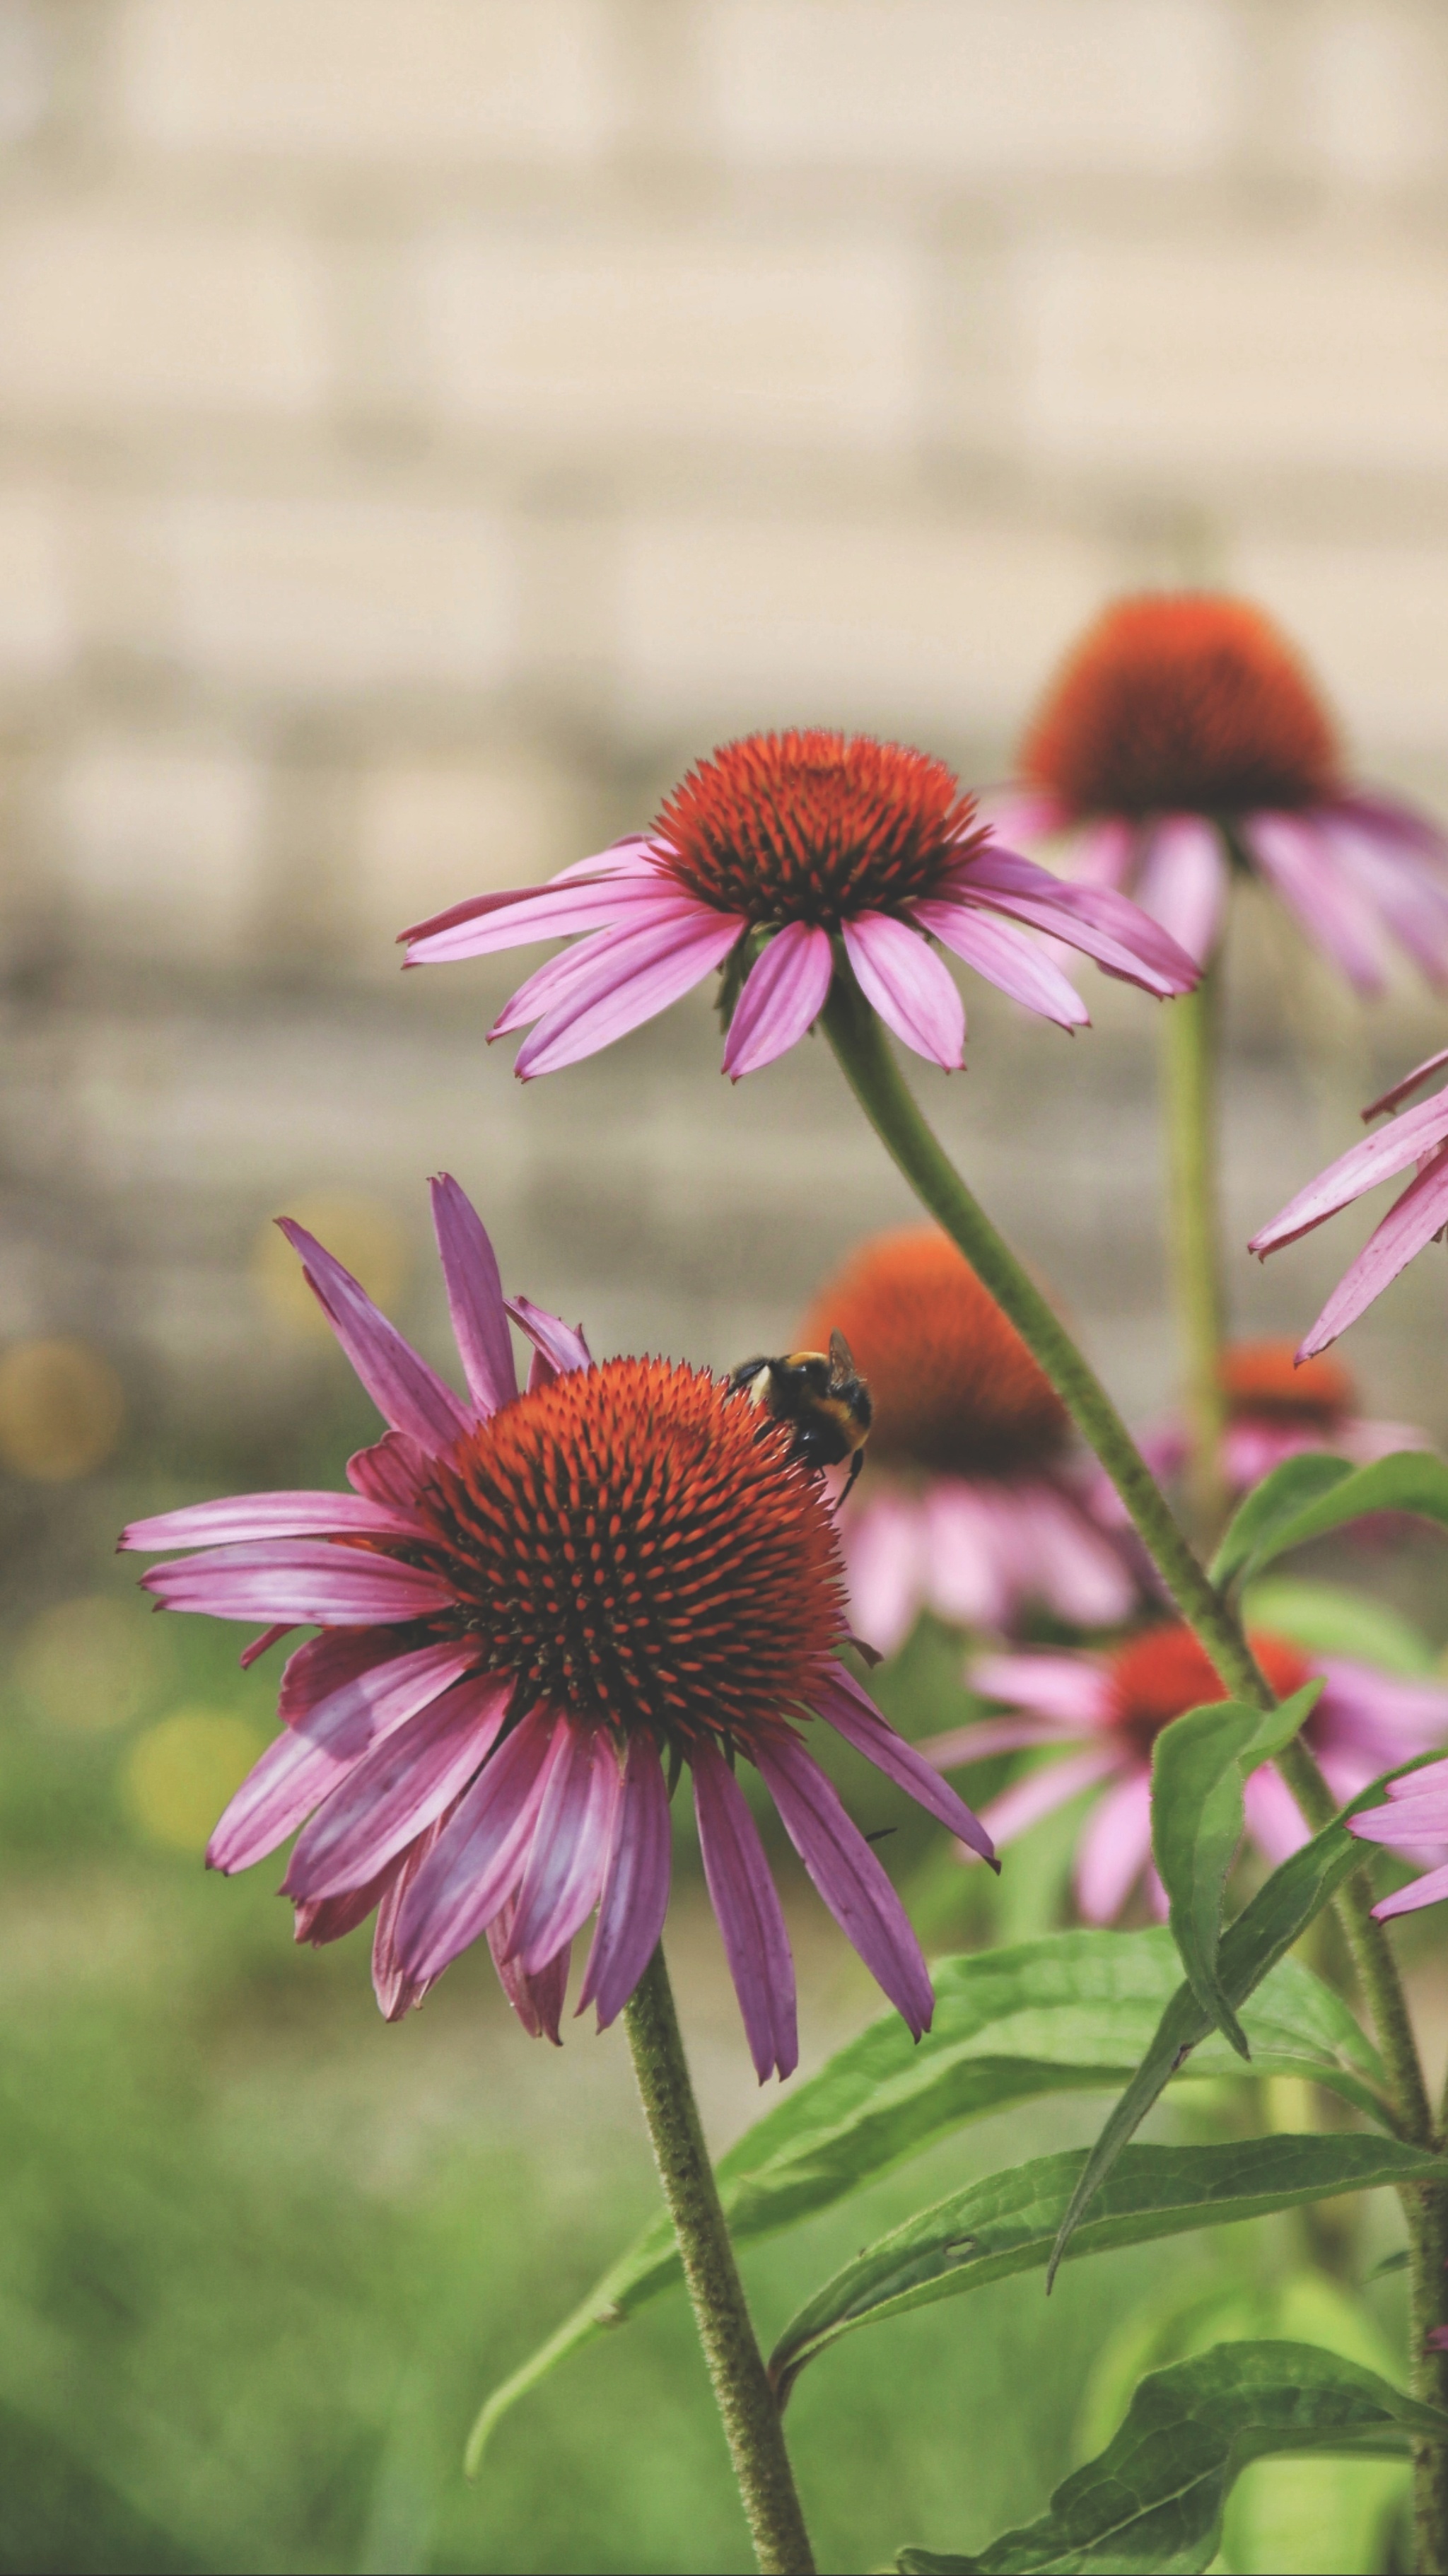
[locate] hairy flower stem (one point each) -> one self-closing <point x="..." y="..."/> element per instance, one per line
<point x="1189" y="1067"/>
<point x="736" y="2367"/>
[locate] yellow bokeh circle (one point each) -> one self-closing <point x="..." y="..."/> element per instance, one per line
<point x="61" y="1409"/>
<point x="91" y="1663"/>
<point x="362" y="1233"/>
<point x="179" y="1775"/>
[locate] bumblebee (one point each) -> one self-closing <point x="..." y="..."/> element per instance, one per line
<point x="821" y="1396"/>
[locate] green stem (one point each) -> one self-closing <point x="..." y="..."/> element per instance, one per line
<point x="1427" y="2248"/>
<point x="736" y="2367"/>
<point x="1189" y="1039"/>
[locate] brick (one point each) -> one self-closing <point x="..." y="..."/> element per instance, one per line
<point x="971" y="86"/>
<point x="158" y="848"/>
<point x="819" y="621"/>
<point x="430" y="832"/>
<point x="108" y="311"/>
<point x="1252" y="352"/>
<point x="35" y="609"/>
<point x="1373" y="620"/>
<point x="762" y="337"/>
<point x="320" y="597"/>
<point x="1374" y="99"/>
<point x="385" y="80"/>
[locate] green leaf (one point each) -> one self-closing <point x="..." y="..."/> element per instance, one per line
<point x="1008" y="2222"/>
<point x="1308" y="1496"/>
<point x="1198" y="1767"/>
<point x="1074" y="2011"/>
<point x="1153" y="2500"/>
<point x="1329" y="1620"/>
<point x="1263" y="1932"/>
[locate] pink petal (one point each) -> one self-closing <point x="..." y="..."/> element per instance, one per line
<point x="853" y="1714"/>
<point x="263" y="1644"/>
<point x="885" y="1560"/>
<point x="1065" y="1688"/>
<point x="478" y="1857"/>
<point x="1070" y="1564"/>
<point x="784" y="993"/>
<point x="474" y="1296"/>
<point x="849" y="1878"/>
<point x="1027" y="1801"/>
<point x="1408" y="897"/>
<point x="397" y="1789"/>
<point x="1123" y="939"/>
<point x="1300" y="861"/>
<point x="1424" y="1891"/>
<point x="409" y="1395"/>
<point x="1274" y="1819"/>
<point x="393" y="1470"/>
<point x="249" y="1516"/>
<point x="298" y="1580"/>
<point x="1114" y="1848"/>
<point x="658" y="968"/>
<point x="1400" y="1090"/>
<point x="1184" y="882"/>
<point x="906" y="983"/>
<point x="632" y="856"/>
<point x="537" y="2001"/>
<point x="1100" y="854"/>
<point x="747" y="1908"/>
<point x="1410" y="1223"/>
<point x="1006" y="958"/>
<point x="326" y="1664"/>
<point x="336" y="1916"/>
<point x="564" y="1870"/>
<point x="986" y="1737"/>
<point x="562" y="1345"/>
<point x="1385" y="1717"/>
<point x="398" y="1993"/>
<point x="549" y="912"/>
<point x="598" y="963"/>
<point x="636" y="1891"/>
<point x="304" y="1765"/>
<point x="1378" y="1158"/>
<point x="974" y="1575"/>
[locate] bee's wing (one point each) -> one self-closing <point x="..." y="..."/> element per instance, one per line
<point x="747" y="1371"/>
<point x="841" y="1364"/>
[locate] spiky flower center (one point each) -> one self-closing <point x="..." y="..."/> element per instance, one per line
<point x="1182" y="704"/>
<point x="1161" y="1675"/>
<point x="1261" y="1379"/>
<point x="633" y="1545"/>
<point x="954" y="1388"/>
<point x="815" y="826"/>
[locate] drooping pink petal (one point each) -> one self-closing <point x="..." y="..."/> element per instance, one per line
<point x="1408" y="898"/>
<point x="390" y="1796"/>
<point x="1042" y="1792"/>
<point x="393" y="1470"/>
<point x="636" y="1890"/>
<point x="1021" y="814"/>
<point x="987" y="1736"/>
<point x="973" y="1570"/>
<point x="905" y="982"/>
<point x="599" y="963"/>
<point x="1405" y="826"/>
<point x="474" y="1296"/>
<point x="852" y="1713"/>
<point x="784" y="993"/>
<point x="885" y="1558"/>
<point x="311" y="1759"/>
<point x="478" y="1857"/>
<point x="747" y="1908"/>
<point x="848" y="1876"/>
<point x="263" y="1644"/>
<point x="249" y="1516"/>
<point x="300" y="1580"/>
<point x="538" y="2001"/>
<point x="659" y="968"/>
<point x="1423" y="1891"/>
<point x="1006" y="958"/>
<point x="1123" y="939"/>
<point x="1385" y="1717"/>
<point x="1409" y="1140"/>
<point x="1400" y="1091"/>
<point x="552" y="912"/>
<point x="333" y="1917"/>
<point x="1274" y="1819"/>
<point x="562" y="1345"/>
<point x="569" y="1852"/>
<point x="1410" y="1223"/>
<point x="632" y="856"/>
<point x="325" y="1665"/>
<point x="1114" y="1849"/>
<point x="398" y="1993"/>
<point x="1301" y="862"/>
<point x="1060" y="1687"/>
<point x="1100" y="854"/>
<point x="409" y="1395"/>
<point x="1064" y="1559"/>
<point x="1184" y="882"/>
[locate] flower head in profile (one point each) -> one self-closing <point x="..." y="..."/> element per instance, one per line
<point x="972" y="1503"/>
<point x="1183" y="738"/>
<point x="1097" y="1718"/>
<point x="534" y="1609"/>
<point x="765" y="857"/>
<point x="1418" y="1139"/>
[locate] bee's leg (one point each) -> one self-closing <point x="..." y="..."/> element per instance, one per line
<point x="856" y="1463"/>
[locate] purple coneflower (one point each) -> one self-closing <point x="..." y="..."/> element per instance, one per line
<point x="1419" y="1137"/>
<point x="531" y="1607"/>
<point x="1104" y="1714"/>
<point x="1414" y="1824"/>
<point x="1183" y="738"/>
<point x="972" y="1503"/>
<point x="765" y="855"/>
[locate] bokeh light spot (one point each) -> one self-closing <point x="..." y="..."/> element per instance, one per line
<point x="91" y="1663"/>
<point x="61" y="1409"/>
<point x="363" y="1234"/>
<point x="179" y="1775"/>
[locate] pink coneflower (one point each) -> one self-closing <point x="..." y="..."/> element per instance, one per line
<point x="530" y="1606"/>
<point x="1419" y="1137"/>
<point x="972" y="1500"/>
<point x="1414" y="1824"/>
<point x="766" y="856"/>
<point x="1183" y="738"/>
<point x="1104" y="1714"/>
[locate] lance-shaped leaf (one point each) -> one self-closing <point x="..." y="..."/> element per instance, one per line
<point x="1262" y="1934"/>
<point x="1153" y="2500"/>
<point x="1071" y="2012"/>
<point x="1008" y="2222"/>
<point x="1197" y="1770"/>
<point x="1308" y="1496"/>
